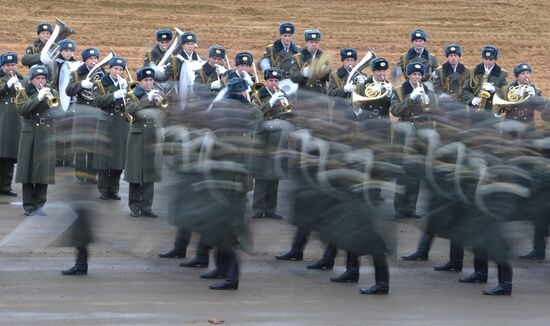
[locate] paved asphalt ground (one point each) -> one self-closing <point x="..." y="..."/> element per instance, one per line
<point x="129" y="285"/>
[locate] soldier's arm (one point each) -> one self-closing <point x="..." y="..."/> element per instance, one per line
<point x="4" y="89"/>
<point x="136" y="105"/>
<point x="398" y="107"/>
<point x="102" y="100"/>
<point x="438" y="82"/>
<point x="296" y="74"/>
<point x="26" y="105"/>
<point x="467" y="93"/>
<point x="74" y="87"/>
<point x="333" y="89"/>
<point x="202" y="89"/>
<point x="30" y="59"/>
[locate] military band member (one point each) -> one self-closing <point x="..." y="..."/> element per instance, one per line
<point x="486" y="79"/>
<point x="32" y="53"/>
<point x="112" y="129"/>
<point x="164" y="39"/>
<point x="273" y="104"/>
<point x="209" y="79"/>
<point x="36" y="156"/>
<point x="279" y="54"/>
<point x="417" y="53"/>
<point x="188" y="45"/>
<point x="143" y="159"/>
<point x="411" y="102"/>
<point x="449" y="78"/>
<point x="379" y="108"/>
<point x="85" y="115"/>
<point x="10" y="120"/>
<point x="338" y="88"/>
<point x="187" y="53"/>
<point x="310" y="69"/>
<point x="243" y="69"/>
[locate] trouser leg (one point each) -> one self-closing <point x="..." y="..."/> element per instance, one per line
<point x="272" y="190"/>
<point x="114" y="180"/>
<point x="147" y="193"/>
<point x="505" y="273"/>
<point x="456" y="253"/>
<point x="259" y="196"/>
<point x="28" y="197"/>
<point x="103" y="181"/>
<point x="134" y="196"/>
<point x="6" y="173"/>
<point x="183" y="236"/>
<point x="381" y="269"/>
<point x="40" y="195"/>
<point x="480" y="261"/>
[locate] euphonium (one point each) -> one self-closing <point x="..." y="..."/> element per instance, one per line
<point x="483" y="94"/>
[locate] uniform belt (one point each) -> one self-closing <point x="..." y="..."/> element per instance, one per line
<point x="8" y="101"/>
<point x="42" y="121"/>
<point x="115" y="109"/>
<point x="81" y="101"/>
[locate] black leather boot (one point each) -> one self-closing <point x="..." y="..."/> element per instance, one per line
<point x="501" y="289"/>
<point x="231" y="281"/>
<point x="351" y="274"/>
<point x="201" y="259"/>
<point x="450" y="266"/>
<point x="297" y="250"/>
<point x="221" y="266"/>
<point x="381" y="276"/>
<point x="456" y="256"/>
<point x="81" y="265"/>
<point x="422" y="250"/>
<point x="174" y="253"/>
<point x="505" y="274"/>
<point x="327" y="262"/>
<point x="475" y="277"/>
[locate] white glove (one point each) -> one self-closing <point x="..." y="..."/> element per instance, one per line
<point x="119" y="94"/>
<point x="42" y="93"/>
<point x="306" y="72"/>
<point x="388" y="88"/>
<point x="152" y="94"/>
<point x="275" y="98"/>
<point x="416" y="93"/>
<point x="531" y="91"/>
<point x="475" y="101"/>
<point x="122" y="82"/>
<point x="360" y="79"/>
<point x="376" y="87"/>
<point x="45" y="59"/>
<point x="86" y="84"/>
<point x="221" y="69"/>
<point x="518" y="92"/>
<point x="426" y="99"/>
<point x="247" y="78"/>
<point x="489" y="87"/>
<point x="12" y="81"/>
<point x="160" y="70"/>
<point x="348" y="88"/>
<point x="216" y="84"/>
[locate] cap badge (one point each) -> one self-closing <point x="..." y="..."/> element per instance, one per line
<point x="382" y="64"/>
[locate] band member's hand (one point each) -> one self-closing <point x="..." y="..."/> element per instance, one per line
<point x="388" y="88"/>
<point x="489" y="87"/>
<point x="119" y="93"/>
<point x="247" y="78"/>
<point x="12" y="81"/>
<point x="45" y="58"/>
<point x="123" y="83"/>
<point x="348" y="88"/>
<point x="475" y="101"/>
<point x="86" y="84"/>
<point x="216" y="84"/>
<point x="425" y="99"/>
<point x="152" y="94"/>
<point x="42" y="93"/>
<point x="306" y="72"/>
<point x="360" y="79"/>
<point x="416" y="93"/>
<point x="160" y="70"/>
<point x="275" y="98"/>
<point x="530" y="90"/>
<point x="221" y="69"/>
<point x="376" y="87"/>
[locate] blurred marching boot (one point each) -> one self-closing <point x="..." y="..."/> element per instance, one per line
<point x="352" y="270"/>
<point x="539" y="248"/>
<point x="258" y="215"/>
<point x="114" y="195"/>
<point x="504" y="286"/>
<point x="381" y="276"/>
<point x="81" y="265"/>
<point x="180" y="245"/>
<point x="201" y="259"/>
<point x="456" y="256"/>
<point x="480" y="271"/>
<point x="274" y="216"/>
<point x="297" y="249"/>
<point x="422" y="250"/>
<point x="149" y="213"/>
<point x="327" y="262"/>
<point x="220" y="271"/>
<point x="231" y="281"/>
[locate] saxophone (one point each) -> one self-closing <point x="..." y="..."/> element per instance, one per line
<point x="483" y="94"/>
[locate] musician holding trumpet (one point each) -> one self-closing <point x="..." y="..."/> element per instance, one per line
<point x="111" y="96"/>
<point x="143" y="158"/>
<point x="10" y="120"/>
<point x="38" y="105"/>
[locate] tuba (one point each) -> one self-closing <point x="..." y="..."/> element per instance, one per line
<point x="60" y="32"/>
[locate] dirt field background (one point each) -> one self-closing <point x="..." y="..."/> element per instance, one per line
<point x="521" y="29"/>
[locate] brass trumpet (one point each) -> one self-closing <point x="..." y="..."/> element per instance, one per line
<point x="424" y="99"/>
<point x="53" y="102"/>
<point x="160" y="100"/>
<point x="17" y="86"/>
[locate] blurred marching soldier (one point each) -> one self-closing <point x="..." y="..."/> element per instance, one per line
<point x="411" y="102"/>
<point x="486" y="79"/>
<point x="32" y="53"/>
<point x="521" y="98"/>
<point x="417" y="53"/>
<point x="279" y="53"/>
<point x="449" y="78"/>
<point x="310" y="69"/>
<point x="85" y="115"/>
<point x="143" y="159"/>
<point x="112" y="129"/>
<point x="64" y="156"/>
<point x="38" y="104"/>
<point x="153" y="56"/>
<point x="10" y="120"/>
<point x="268" y="139"/>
